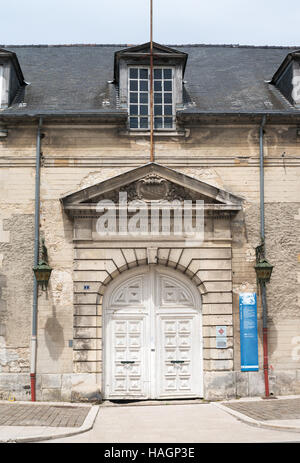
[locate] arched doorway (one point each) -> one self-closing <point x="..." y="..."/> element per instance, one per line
<point x="152" y="339"/>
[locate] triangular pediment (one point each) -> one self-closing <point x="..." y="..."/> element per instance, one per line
<point x="145" y="48"/>
<point x="148" y="183"/>
<point x="140" y="54"/>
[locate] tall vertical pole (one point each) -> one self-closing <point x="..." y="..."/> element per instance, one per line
<point x="263" y="284"/>
<point x="262" y="183"/>
<point x="36" y="261"/>
<point x="265" y="338"/>
<point x="151" y="84"/>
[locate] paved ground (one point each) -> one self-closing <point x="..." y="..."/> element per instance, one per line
<point x="29" y="422"/>
<point x="269" y="410"/>
<point x="182" y="423"/>
<point x="252" y="420"/>
<point x="14" y="414"/>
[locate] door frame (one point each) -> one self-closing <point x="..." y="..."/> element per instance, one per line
<point x="127" y="275"/>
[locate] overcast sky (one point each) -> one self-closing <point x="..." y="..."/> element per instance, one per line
<point x="249" y="22"/>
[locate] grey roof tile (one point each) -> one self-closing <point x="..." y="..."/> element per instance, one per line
<point x="74" y="78"/>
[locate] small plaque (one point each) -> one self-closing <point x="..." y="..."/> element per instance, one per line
<point x="221" y="337"/>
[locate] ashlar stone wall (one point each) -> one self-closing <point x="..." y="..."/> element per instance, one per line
<point x="78" y="155"/>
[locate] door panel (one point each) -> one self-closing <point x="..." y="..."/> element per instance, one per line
<point x="128" y="358"/>
<point x="172" y="293"/>
<point x="177" y="357"/>
<point x="153" y="338"/>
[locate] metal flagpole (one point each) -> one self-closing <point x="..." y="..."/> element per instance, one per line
<point x="151" y="84"/>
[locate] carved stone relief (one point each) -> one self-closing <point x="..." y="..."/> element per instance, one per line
<point x="153" y="188"/>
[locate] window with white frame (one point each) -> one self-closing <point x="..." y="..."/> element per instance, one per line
<point x="139" y="98"/>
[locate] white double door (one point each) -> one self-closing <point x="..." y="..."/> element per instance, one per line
<point x="152" y="336"/>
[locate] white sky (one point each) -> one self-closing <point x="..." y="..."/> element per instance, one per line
<point x="248" y="22"/>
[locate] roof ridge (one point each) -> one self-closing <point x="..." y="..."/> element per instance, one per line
<point x="65" y="45"/>
<point x="284" y="47"/>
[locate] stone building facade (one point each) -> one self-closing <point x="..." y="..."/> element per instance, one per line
<point x="135" y="317"/>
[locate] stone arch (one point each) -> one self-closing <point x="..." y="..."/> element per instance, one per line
<point x="158" y="260"/>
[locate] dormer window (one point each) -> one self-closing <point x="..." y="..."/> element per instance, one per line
<point x="132" y="76"/>
<point x="139" y="98"/>
<point x="11" y="77"/>
<point x="287" y="78"/>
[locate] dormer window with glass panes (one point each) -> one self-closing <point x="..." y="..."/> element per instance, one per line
<point x="132" y="79"/>
<point x="139" y="98"/>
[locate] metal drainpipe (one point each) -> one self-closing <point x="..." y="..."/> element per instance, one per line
<point x="263" y="284"/>
<point x="36" y="261"/>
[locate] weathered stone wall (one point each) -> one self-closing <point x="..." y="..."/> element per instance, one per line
<point x="55" y="308"/>
<point x="73" y="158"/>
<point x="16" y="282"/>
<point x="283" y="245"/>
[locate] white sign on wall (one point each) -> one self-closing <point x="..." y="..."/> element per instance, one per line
<point x="221" y="337"/>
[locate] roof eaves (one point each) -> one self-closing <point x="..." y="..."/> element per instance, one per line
<point x="223" y="116"/>
<point x="121" y="115"/>
<point x="194" y="111"/>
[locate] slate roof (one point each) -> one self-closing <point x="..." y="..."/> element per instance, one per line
<point x="219" y="78"/>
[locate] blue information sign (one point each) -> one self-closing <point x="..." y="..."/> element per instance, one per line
<point x="248" y="332"/>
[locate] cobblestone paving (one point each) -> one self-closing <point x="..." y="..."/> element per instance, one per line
<point x="265" y="410"/>
<point x="42" y="415"/>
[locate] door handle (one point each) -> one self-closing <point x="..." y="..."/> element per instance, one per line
<point x="177" y="361"/>
<point x="127" y="361"/>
